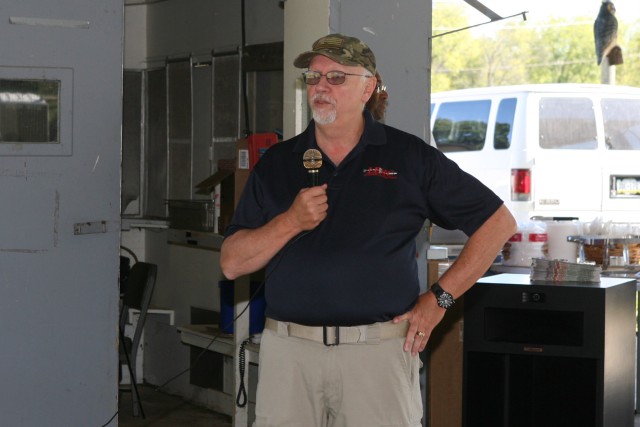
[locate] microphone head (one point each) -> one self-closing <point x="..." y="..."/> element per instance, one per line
<point x="312" y="159"/>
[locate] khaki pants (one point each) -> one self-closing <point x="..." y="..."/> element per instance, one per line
<point x="304" y="383"/>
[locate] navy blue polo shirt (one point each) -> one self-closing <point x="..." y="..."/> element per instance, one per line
<point x="359" y="265"/>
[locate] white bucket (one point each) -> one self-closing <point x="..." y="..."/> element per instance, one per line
<point x="559" y="247"/>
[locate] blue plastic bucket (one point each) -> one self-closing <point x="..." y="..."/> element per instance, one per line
<point x="256" y="309"/>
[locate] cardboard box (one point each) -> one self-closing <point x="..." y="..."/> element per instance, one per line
<point x="227" y="184"/>
<point x="243" y="169"/>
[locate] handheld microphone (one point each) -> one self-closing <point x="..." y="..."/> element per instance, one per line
<point x="312" y="161"/>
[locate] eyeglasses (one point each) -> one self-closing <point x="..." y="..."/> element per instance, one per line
<point x="333" y="77"/>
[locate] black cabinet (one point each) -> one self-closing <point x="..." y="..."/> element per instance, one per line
<point x="549" y="354"/>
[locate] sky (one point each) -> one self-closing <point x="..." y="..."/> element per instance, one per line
<point x="540" y="11"/>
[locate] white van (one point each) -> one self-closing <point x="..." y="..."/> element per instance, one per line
<point x="552" y="151"/>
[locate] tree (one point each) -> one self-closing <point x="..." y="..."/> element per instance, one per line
<point x="504" y="57"/>
<point x="451" y="53"/>
<point x="629" y="39"/>
<point x="563" y="52"/>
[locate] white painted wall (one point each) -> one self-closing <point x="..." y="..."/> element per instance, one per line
<point x="305" y="21"/>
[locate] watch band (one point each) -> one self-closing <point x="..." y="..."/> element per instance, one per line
<point x="443" y="298"/>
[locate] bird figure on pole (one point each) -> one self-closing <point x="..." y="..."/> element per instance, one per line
<point x="605" y="33"/>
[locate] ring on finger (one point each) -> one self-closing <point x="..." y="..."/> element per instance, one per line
<point x="420" y="334"/>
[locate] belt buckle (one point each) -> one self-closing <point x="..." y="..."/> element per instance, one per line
<point x="336" y="336"/>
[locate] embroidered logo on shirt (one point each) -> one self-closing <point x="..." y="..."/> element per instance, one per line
<point x="381" y="172"/>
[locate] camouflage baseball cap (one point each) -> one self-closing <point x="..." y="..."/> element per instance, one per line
<point x="341" y="49"/>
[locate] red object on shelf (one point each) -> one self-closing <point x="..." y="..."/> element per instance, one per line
<point x="258" y="144"/>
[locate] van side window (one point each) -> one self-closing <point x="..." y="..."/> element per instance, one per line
<point x="621" y="123"/>
<point x="504" y="124"/>
<point x="568" y="124"/>
<point x="461" y="126"/>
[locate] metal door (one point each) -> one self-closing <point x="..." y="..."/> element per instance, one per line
<point x="60" y="121"/>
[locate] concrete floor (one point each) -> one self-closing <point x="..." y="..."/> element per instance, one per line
<point x="164" y="410"/>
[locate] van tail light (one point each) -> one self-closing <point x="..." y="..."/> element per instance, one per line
<point x="521" y="185"/>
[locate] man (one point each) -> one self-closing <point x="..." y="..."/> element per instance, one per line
<point x="344" y="318"/>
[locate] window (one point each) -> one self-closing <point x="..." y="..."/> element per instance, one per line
<point x="29" y="111"/>
<point x="621" y="123"/>
<point x="567" y="123"/>
<point x="35" y="111"/>
<point x="504" y="124"/>
<point x="461" y="126"/>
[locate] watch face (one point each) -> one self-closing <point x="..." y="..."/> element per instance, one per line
<point x="445" y="300"/>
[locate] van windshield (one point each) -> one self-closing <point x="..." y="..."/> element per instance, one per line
<point x="461" y="126"/>
<point x="621" y="123"/>
<point x="567" y="123"/>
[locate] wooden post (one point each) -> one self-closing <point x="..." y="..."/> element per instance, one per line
<point x="607" y="72"/>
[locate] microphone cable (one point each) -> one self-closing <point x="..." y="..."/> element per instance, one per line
<point x="241" y="398"/>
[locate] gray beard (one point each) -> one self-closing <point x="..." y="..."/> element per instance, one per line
<point x="324" y="118"/>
